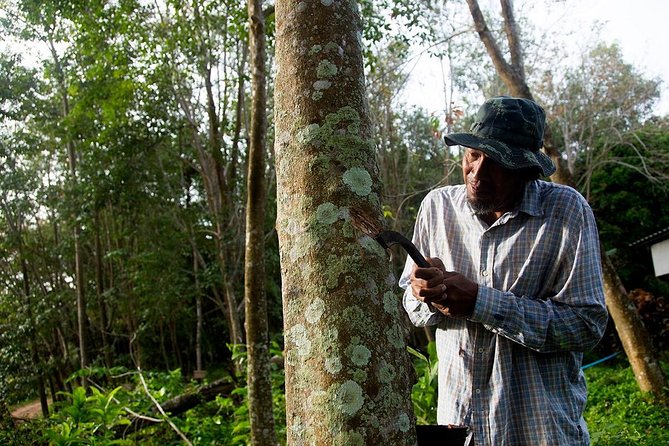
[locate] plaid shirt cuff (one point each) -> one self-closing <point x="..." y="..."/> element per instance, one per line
<point x="492" y="307"/>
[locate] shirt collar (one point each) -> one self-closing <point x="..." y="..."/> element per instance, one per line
<point x="531" y="202"/>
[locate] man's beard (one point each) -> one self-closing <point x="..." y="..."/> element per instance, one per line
<point x="482" y="207"/>
<point x="491" y="204"/>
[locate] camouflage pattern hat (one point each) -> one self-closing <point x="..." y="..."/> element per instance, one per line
<point x="511" y="132"/>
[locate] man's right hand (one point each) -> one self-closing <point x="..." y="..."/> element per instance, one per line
<point x="427" y="284"/>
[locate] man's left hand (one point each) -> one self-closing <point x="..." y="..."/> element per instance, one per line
<point x="459" y="299"/>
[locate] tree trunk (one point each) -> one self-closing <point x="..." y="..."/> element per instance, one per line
<point x="60" y="352"/>
<point x="235" y="325"/>
<point x="632" y="332"/>
<point x="239" y="117"/>
<point x="216" y="194"/>
<point x="629" y="326"/>
<point x="222" y="191"/>
<point x="259" y="381"/>
<point x="212" y="169"/>
<point x="198" y="312"/>
<point x="346" y="358"/>
<point x="100" y="289"/>
<point x="82" y="317"/>
<point x="41" y="390"/>
<point x="15" y="230"/>
<point x="163" y="347"/>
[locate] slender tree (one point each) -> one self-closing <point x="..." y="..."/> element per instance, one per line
<point x="72" y="159"/>
<point x="218" y="172"/>
<point x="629" y="326"/>
<point x="257" y="334"/>
<point x="17" y="227"/>
<point x="512" y="72"/>
<point x="346" y="359"/>
<point x="14" y="208"/>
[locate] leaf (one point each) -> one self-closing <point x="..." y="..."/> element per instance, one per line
<point x="417" y="354"/>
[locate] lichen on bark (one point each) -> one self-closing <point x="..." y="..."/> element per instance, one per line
<point x="341" y="366"/>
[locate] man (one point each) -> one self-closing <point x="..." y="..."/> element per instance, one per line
<point x="515" y="286"/>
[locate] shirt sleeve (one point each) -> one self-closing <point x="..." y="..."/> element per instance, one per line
<point x="573" y="319"/>
<point x="420" y="314"/>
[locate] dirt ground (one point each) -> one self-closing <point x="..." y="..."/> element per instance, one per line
<point x="28" y="411"/>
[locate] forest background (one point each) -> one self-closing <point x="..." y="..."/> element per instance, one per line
<point x="124" y="150"/>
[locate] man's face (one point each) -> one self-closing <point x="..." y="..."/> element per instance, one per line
<point x="490" y="187"/>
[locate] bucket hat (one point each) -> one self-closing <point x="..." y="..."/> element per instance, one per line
<point x="511" y="132"/>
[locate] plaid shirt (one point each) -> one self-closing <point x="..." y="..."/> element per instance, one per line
<point x="511" y="370"/>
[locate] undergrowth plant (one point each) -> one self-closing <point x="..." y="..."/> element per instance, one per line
<point x="225" y="421"/>
<point x="87" y="418"/>
<point x="97" y="417"/>
<point x="619" y="414"/>
<point x="424" y="392"/>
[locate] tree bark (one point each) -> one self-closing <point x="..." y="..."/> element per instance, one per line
<point x="37" y="363"/>
<point x="198" y="312"/>
<point x="629" y="326"/>
<point x="221" y="198"/>
<point x="259" y="381"/>
<point x="346" y="358"/>
<point x="632" y="332"/>
<point x="239" y="117"/>
<point x="100" y="289"/>
<point x="513" y="74"/>
<point x="513" y="37"/>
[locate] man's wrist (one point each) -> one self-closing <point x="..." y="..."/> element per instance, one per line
<point x="490" y="307"/>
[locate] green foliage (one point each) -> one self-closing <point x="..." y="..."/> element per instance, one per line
<point x="15" y="377"/>
<point x="225" y="421"/>
<point x="631" y="201"/>
<point x="618" y="414"/>
<point x="393" y="23"/>
<point x="424" y="393"/>
<point x="233" y="407"/>
<point x="87" y="419"/>
<point x="95" y="417"/>
<point x="25" y="434"/>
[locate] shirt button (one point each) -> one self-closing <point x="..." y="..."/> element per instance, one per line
<point x="484" y="273"/>
<point x="478" y="391"/>
<point x="481" y="350"/>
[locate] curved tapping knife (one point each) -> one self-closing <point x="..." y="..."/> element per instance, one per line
<point x="390" y="238"/>
<point x="386" y="238"/>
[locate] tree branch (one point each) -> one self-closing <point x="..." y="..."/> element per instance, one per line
<point x="162" y="411"/>
<point x="513" y="37"/>
<point x="177" y="405"/>
<point x="511" y="78"/>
